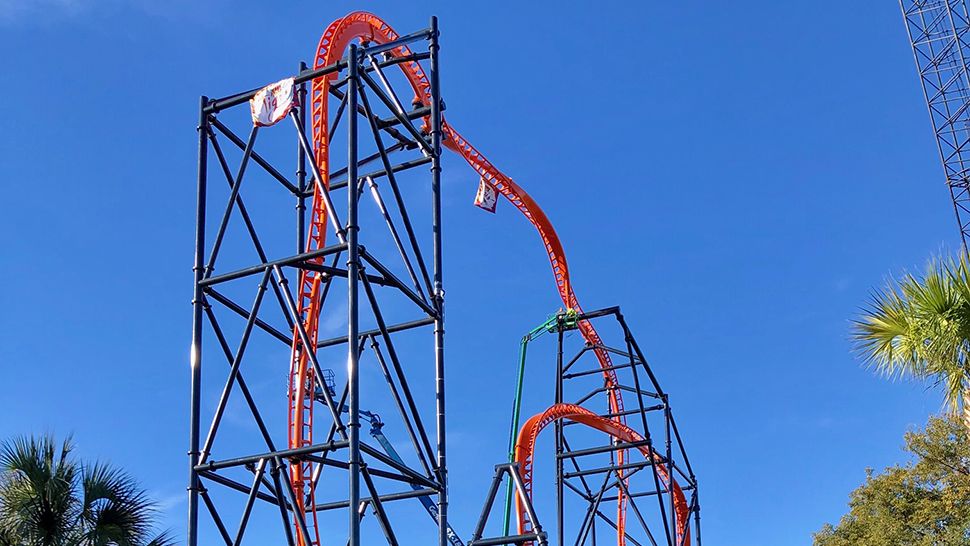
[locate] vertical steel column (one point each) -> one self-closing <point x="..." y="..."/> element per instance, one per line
<point x="198" y="308"/>
<point x="560" y="438"/>
<point x="670" y="464"/>
<point x="301" y="170"/>
<point x="697" y="516"/>
<point x="439" y="294"/>
<point x="353" y="263"/>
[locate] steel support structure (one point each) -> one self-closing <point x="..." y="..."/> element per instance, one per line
<point x="511" y="473"/>
<point x="657" y="490"/>
<point x="592" y="472"/>
<point x="937" y="31"/>
<point x="247" y="301"/>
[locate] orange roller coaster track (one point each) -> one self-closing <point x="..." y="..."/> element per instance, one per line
<point x="371" y="29"/>
<point x="525" y="451"/>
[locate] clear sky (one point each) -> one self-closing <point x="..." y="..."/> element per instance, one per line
<point x="736" y="176"/>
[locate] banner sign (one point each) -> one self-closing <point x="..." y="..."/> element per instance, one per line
<point x="487" y="197"/>
<point x="272" y="103"/>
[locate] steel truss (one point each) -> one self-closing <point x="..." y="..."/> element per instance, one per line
<point x="654" y="488"/>
<point x="941" y="47"/>
<point x="390" y="290"/>
<point x="577" y="474"/>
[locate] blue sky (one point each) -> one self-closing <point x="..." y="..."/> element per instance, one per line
<point x="736" y="177"/>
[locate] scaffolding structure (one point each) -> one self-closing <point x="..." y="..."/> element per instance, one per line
<point x="620" y="478"/>
<point x="657" y="485"/>
<point x="248" y="293"/>
<point x="937" y="31"/>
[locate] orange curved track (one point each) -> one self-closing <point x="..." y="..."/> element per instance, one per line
<point x="525" y="451"/>
<point x="369" y="27"/>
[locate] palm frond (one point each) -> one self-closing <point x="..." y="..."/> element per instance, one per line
<point x="115" y="509"/>
<point x="47" y="498"/>
<point x="920" y="326"/>
<point x="164" y="538"/>
<point x="883" y="334"/>
<point x="37" y="501"/>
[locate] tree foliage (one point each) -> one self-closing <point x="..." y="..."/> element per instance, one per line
<point x="923" y="503"/>
<point x="919" y="326"/>
<point x="49" y="498"/>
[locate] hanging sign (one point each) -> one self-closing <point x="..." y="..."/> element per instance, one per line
<point x="487" y="197"/>
<point x="272" y="103"/>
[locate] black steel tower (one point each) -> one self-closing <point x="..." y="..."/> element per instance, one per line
<point x="380" y="299"/>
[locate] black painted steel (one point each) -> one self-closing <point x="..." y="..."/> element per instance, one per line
<point x="401" y="284"/>
<point x="593" y="472"/>
<point x="583" y="369"/>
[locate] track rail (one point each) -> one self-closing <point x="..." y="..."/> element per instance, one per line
<point x="368" y="27"/>
<point x="525" y="452"/>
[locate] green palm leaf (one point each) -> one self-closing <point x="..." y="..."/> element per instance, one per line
<point x="920" y="327"/>
<point x="47" y="498"/>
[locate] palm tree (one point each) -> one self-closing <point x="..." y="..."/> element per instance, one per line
<point x="48" y="498"/>
<point x="920" y="327"/>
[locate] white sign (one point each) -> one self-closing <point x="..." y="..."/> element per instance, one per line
<point x="272" y="103"/>
<point x="487" y="197"/>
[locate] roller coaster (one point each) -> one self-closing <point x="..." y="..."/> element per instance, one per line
<point x="353" y="67"/>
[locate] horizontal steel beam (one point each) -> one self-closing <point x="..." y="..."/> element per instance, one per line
<point x="374" y="471"/>
<point x="596" y="370"/>
<point x="598" y="313"/>
<point x="511" y="539"/>
<point x="383" y="498"/>
<point x="292" y="260"/>
<point x="610" y="468"/>
<point x="367" y="333"/>
<point x="217" y="105"/>
<point x="648" y="493"/>
<point x="394" y="44"/>
<point x="282" y="454"/>
<point x="621" y="414"/>
<point x="342" y="273"/>
<point x="403" y="166"/>
<point x="601" y="449"/>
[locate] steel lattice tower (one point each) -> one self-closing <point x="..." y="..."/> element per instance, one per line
<point x="938" y="33"/>
<point x="386" y="300"/>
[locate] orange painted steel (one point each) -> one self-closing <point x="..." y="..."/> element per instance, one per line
<point x="370" y="28"/>
<point x="525" y="451"/>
